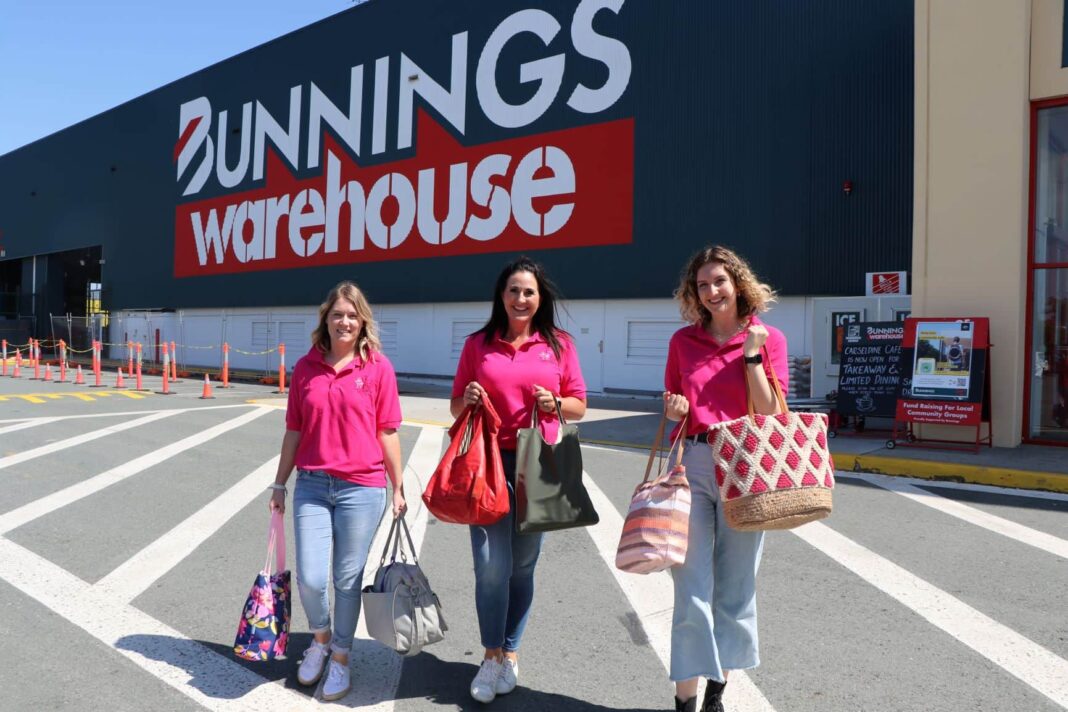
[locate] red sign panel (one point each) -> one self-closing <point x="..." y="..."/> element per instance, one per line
<point x="569" y="188"/>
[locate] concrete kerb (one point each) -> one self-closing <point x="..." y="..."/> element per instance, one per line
<point x="953" y="472"/>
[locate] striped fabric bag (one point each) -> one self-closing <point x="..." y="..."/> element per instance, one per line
<point x="657" y="526"/>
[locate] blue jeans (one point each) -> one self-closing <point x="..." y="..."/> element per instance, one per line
<point x="333" y="519"/>
<point x="504" y="573"/>
<point x="714" y="625"/>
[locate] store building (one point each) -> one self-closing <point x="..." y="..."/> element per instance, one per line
<point x="417" y="146"/>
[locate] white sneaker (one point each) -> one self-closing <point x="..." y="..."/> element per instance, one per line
<point x="484" y="686"/>
<point x="311" y="667"/>
<point x="509" y="676"/>
<point x="337" y="683"/>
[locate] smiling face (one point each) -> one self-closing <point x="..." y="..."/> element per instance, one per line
<point x="343" y="325"/>
<point x="716" y="290"/>
<point x="521" y="298"/>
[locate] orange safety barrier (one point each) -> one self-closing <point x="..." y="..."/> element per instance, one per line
<point x="226" y="365"/>
<point x="174" y="363"/>
<point x="281" y="369"/>
<point x="62" y="361"/>
<point x="3" y="364"/>
<point x="139" y="386"/>
<point x="166" y="370"/>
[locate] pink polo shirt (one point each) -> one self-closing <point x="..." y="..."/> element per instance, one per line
<point x="339" y="416"/>
<point x="712" y="376"/>
<point x="509" y="375"/>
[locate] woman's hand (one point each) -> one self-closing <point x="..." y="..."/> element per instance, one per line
<point x="277" y="502"/>
<point x="544" y="399"/>
<point x="755" y="337"/>
<point x="676" y="407"/>
<point x="474" y="393"/>
<point x="399" y="505"/>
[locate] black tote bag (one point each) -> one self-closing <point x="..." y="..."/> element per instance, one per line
<point x="549" y="493"/>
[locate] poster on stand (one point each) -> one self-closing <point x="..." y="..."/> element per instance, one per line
<point x="941" y="366"/>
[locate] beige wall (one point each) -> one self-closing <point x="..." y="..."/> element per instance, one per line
<point x="971" y="176"/>
<point x="1048" y="78"/>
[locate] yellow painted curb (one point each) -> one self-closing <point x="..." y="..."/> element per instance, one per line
<point x="954" y="471"/>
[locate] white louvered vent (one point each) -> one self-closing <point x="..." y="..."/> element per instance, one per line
<point x="461" y="328"/>
<point x="647" y="340"/>
<point x="261" y="334"/>
<point x="295" y="335"/>
<point x="387" y="334"/>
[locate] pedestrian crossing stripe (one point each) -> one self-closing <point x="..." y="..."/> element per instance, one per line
<point x="88" y="397"/>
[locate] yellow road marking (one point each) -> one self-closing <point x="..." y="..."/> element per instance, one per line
<point x="79" y="395"/>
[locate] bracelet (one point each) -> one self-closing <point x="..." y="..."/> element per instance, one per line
<point x="278" y="487"/>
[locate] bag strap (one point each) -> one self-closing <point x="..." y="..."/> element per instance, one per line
<point x="534" y="413"/>
<point x="276" y="544"/>
<point x="389" y="540"/>
<point x="408" y="536"/>
<point x="776" y="387"/>
<point x="657" y="444"/>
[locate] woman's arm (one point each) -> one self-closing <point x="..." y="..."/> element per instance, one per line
<point x="765" y="401"/>
<point x="391" y="453"/>
<point x="290" y="442"/>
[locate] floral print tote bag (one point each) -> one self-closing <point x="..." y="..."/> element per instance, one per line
<point x="263" y="631"/>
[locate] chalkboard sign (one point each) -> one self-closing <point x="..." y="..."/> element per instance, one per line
<point x="869" y="374"/>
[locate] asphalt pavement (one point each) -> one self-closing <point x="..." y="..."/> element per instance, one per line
<point x="132" y="525"/>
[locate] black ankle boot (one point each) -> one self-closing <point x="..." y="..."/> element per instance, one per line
<point x="713" y="701"/>
<point x="689" y="705"/>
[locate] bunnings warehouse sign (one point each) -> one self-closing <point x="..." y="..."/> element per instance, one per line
<point x="373" y="175"/>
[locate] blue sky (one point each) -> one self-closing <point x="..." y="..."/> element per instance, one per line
<point x="64" y="61"/>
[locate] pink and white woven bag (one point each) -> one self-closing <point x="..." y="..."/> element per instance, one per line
<point x="773" y="471"/>
<point x="657" y="527"/>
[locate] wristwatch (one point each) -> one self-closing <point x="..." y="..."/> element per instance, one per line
<point x="759" y="358"/>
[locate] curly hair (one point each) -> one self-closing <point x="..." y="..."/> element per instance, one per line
<point x="753" y="297"/>
<point x="367" y="342"/>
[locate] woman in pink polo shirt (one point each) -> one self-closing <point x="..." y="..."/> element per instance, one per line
<point x="341" y="434"/>
<point x="714" y="626"/>
<point x="519" y="360"/>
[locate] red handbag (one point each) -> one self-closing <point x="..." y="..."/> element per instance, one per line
<point x="468" y="486"/>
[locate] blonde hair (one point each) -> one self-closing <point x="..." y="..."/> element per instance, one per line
<point x="753" y="297"/>
<point x="367" y="342"/>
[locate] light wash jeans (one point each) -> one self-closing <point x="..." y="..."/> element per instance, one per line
<point x="714" y="626"/>
<point x="504" y="573"/>
<point x="333" y="519"/>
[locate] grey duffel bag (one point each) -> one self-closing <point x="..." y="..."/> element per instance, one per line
<point x="400" y="610"/>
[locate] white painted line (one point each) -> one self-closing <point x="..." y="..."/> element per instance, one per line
<point x="376" y="670"/>
<point x="1023" y="658"/>
<point x="110" y="414"/>
<point x="133" y="577"/>
<point x="213" y="681"/>
<point x="651" y="597"/>
<point x="998" y="525"/>
<point x="28" y="512"/>
<point x="80" y="439"/>
<point x="27" y="424"/>
<point x="989" y="489"/>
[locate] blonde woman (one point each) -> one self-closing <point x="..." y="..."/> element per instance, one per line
<point x="341" y="434"/>
<point x="714" y="625"/>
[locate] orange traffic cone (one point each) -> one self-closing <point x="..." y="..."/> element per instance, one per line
<point x="119" y="383"/>
<point x="206" y="394"/>
<point x="48" y="372"/>
<point x="80" y="379"/>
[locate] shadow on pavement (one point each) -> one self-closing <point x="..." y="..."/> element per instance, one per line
<point x="181" y="654"/>
<point x="446" y="683"/>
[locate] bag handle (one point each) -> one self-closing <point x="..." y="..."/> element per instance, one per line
<point x="776" y="387"/>
<point x="657" y="444"/>
<point x="534" y="410"/>
<point x="394" y="538"/>
<point x="276" y="544"/>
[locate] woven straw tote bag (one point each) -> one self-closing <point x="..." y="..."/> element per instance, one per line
<point x="773" y="471"/>
<point x="657" y="526"/>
